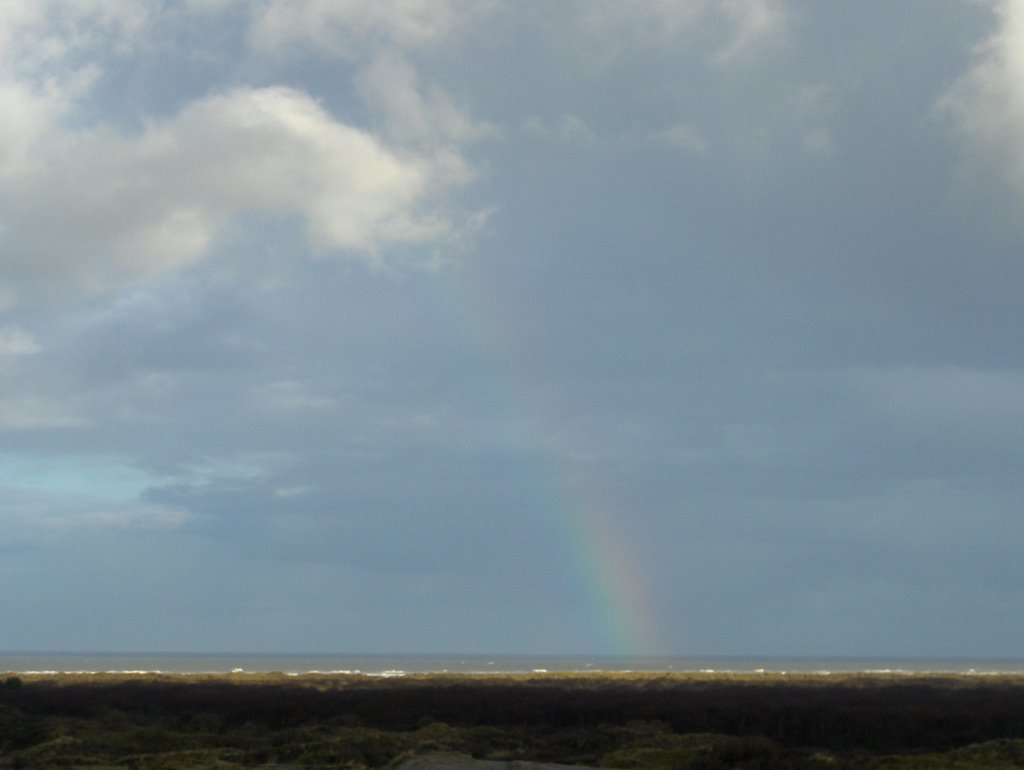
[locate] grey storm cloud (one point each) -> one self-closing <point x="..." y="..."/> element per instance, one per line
<point x="413" y="326"/>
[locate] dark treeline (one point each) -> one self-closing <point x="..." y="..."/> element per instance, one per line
<point x="878" y="715"/>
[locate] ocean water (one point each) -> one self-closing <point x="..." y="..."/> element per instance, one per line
<point x="398" y="665"/>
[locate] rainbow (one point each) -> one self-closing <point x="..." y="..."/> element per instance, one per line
<point x="606" y="562"/>
<point x="603" y="570"/>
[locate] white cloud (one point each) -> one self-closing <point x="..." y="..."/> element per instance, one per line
<point x="36" y="34"/>
<point x="681" y="136"/>
<point x="564" y="128"/>
<point x="47" y="61"/>
<point x="987" y="103"/>
<point x="102" y="208"/>
<point x="17" y="342"/>
<point x="414" y="113"/>
<point x="749" y="25"/>
<point x="381" y="36"/>
<point x="84" y="207"/>
<point x="208" y="6"/>
<point x="36" y="412"/>
<point x="349" y="28"/>
<point x="291" y="396"/>
<point x="810" y="109"/>
<point x="755" y="24"/>
<point x="32" y="111"/>
<point x="650" y="20"/>
<point x="817" y="141"/>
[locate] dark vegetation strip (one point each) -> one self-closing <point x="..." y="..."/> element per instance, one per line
<point x="882" y="714"/>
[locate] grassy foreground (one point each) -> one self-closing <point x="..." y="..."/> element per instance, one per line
<point x="697" y="721"/>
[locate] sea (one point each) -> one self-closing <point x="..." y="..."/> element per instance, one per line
<point x="400" y="665"/>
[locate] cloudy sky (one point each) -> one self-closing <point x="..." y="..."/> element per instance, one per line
<point x="497" y="326"/>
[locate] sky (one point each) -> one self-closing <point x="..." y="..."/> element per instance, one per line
<point x="508" y="326"/>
